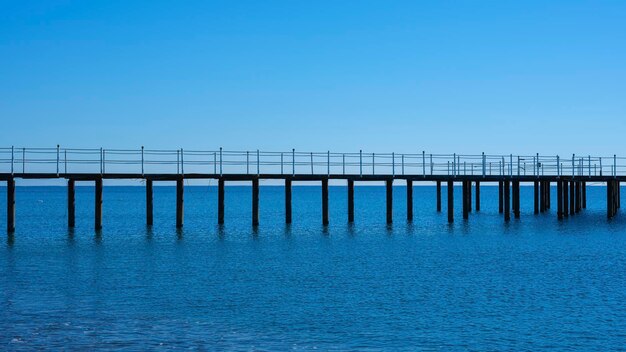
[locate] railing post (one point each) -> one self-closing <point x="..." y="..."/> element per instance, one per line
<point x="431" y="165"/>
<point x="424" y="164"/>
<point x="23" y="160"/>
<point x="573" y="173"/>
<point x="373" y="163"/>
<point x="511" y="165"/>
<point x="590" y="165"/>
<point x="361" y="163"/>
<point x="177" y="161"/>
<point x="182" y="161"/>
<point x="247" y="162"/>
<point x="293" y="161"/>
<point x="538" y="165"/>
<point x="142" y="173"/>
<point x="65" y="160"/>
<point x="558" y="164"/>
<point x="281" y="163"/>
<point x="58" y="158"/>
<point x="311" y="163"/>
<point x="221" y="162"/>
<point x="393" y="163"/>
<point x="600" y="166"/>
<point x="518" y="164"/>
<point x="454" y="166"/>
<point x="614" y="165"/>
<point x="403" y="164"/>
<point x="258" y="162"/>
<point x="101" y="162"/>
<point x="484" y="165"/>
<point x="343" y="163"/>
<point x="12" y="158"/>
<point x="328" y="162"/>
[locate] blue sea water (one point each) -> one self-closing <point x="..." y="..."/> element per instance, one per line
<point x="482" y="284"/>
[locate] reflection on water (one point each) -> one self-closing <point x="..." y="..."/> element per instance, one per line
<point x="532" y="284"/>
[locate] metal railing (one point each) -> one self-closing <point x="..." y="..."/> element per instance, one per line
<point x="179" y="161"/>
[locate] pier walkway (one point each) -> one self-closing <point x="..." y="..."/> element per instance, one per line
<point x="570" y="174"/>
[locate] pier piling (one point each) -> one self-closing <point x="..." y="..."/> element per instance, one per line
<point x="288" y="200"/>
<point x="350" y="201"/>
<point x="438" y="196"/>
<point x="409" y="200"/>
<point x="536" y="196"/>
<point x="507" y="202"/>
<point x="98" y="207"/>
<point x="477" y="196"/>
<point x="220" y="201"/>
<point x="255" y="202"/>
<point x="325" y="201"/>
<point x="565" y="199"/>
<point x="516" y="202"/>
<point x="465" y="200"/>
<point x="584" y="190"/>
<point x="71" y="203"/>
<point x="500" y="197"/>
<point x="389" y="192"/>
<point x="572" y="197"/>
<point x="179" y="202"/>
<point x="450" y="189"/>
<point x="10" y="205"/>
<point x="559" y="199"/>
<point x="149" y="203"/>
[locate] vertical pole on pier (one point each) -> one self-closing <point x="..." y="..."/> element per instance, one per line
<point x="71" y="204"/>
<point x="98" y="207"/>
<point x="465" y="200"/>
<point x="584" y="194"/>
<point x="619" y="194"/>
<point x="179" y="201"/>
<point x="450" y="201"/>
<point x="255" y="201"/>
<point x="500" y="196"/>
<point x="438" y="196"/>
<point x="507" y="202"/>
<point x="559" y="199"/>
<point x="149" y="207"/>
<point x="572" y="197"/>
<point x="350" y="201"/>
<point x="325" y="201"/>
<point x="389" y="193"/>
<point x="516" y="210"/>
<point x="10" y="205"/>
<point x="542" y="196"/>
<point x="469" y="197"/>
<point x="288" y="200"/>
<point x="477" y="196"/>
<point x="578" y="197"/>
<point x="609" y="200"/>
<point x="536" y="197"/>
<point x="565" y="199"/>
<point x="409" y="200"/>
<point x="220" y="200"/>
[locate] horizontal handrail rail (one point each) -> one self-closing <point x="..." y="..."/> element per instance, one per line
<point x="24" y="160"/>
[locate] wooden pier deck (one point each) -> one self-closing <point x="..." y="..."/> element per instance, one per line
<point x="469" y="171"/>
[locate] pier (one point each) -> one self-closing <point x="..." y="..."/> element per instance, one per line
<point x="569" y="175"/>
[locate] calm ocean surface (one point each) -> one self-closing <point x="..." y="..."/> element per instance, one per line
<point x="533" y="284"/>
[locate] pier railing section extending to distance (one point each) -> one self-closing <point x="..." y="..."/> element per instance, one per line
<point x="219" y="162"/>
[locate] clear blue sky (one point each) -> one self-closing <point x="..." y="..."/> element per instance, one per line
<point x="493" y="76"/>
